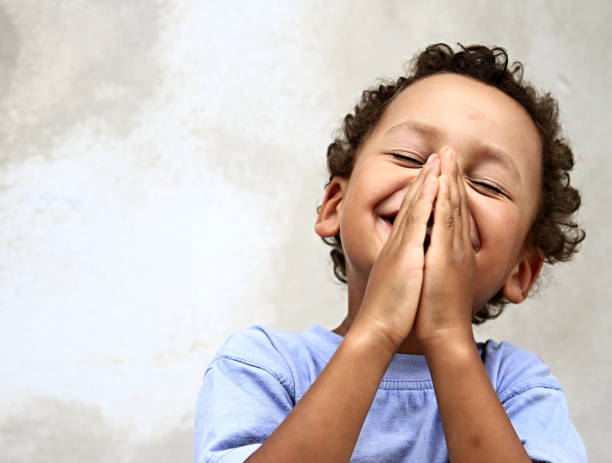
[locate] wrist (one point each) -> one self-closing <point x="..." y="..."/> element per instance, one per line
<point x="365" y="337"/>
<point x="459" y="340"/>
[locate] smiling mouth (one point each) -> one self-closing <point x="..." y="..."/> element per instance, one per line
<point x="390" y="219"/>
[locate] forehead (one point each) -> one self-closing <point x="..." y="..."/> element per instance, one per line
<point x="467" y="112"/>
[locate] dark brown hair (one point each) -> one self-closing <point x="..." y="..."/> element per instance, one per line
<point x="554" y="231"/>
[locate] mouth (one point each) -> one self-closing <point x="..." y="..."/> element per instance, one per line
<point x="389" y="219"/>
<point x="428" y="232"/>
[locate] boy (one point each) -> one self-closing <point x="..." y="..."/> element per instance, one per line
<point x="448" y="191"/>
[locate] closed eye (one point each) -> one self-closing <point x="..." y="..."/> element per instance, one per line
<point x="489" y="187"/>
<point x="414" y="159"/>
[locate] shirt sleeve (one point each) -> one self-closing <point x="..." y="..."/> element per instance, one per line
<point x="239" y="405"/>
<point x="540" y="417"/>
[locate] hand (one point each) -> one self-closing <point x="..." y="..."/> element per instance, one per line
<point x="394" y="285"/>
<point x="447" y="296"/>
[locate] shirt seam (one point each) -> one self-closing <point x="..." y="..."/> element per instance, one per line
<point x="218" y="458"/>
<point x="408" y="380"/>
<point x="406" y="385"/>
<point x="286" y="384"/>
<point x="525" y="386"/>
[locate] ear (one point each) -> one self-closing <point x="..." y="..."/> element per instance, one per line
<point x="523" y="275"/>
<point x="328" y="220"/>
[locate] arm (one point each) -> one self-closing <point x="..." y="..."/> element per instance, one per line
<point x="325" y="424"/>
<point x="476" y="426"/>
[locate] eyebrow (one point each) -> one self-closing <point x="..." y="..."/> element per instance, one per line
<point x="491" y="152"/>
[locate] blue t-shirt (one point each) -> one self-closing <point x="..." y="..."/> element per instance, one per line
<point x="259" y="375"/>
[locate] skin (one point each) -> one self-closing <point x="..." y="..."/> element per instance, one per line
<point x="468" y="114"/>
<point x="408" y="299"/>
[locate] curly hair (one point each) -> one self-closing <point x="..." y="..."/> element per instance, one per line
<point x="554" y="231"/>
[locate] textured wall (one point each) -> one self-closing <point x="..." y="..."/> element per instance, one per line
<point x="160" y="167"/>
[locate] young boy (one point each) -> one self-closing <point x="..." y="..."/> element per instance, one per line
<point x="448" y="191"/>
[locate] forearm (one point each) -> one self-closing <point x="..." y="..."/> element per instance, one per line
<point x="325" y="424"/>
<point x="476" y="426"/>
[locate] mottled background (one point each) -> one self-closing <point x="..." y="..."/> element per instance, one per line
<point x="160" y="167"/>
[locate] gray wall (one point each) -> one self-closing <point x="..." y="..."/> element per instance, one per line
<point x="161" y="163"/>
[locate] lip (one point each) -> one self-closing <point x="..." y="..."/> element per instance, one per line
<point x="475" y="238"/>
<point x="386" y="224"/>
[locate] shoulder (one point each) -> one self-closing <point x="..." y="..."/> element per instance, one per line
<point x="281" y="353"/>
<point x="259" y="342"/>
<point x="514" y="370"/>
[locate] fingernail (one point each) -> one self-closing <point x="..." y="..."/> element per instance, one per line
<point x="431" y="158"/>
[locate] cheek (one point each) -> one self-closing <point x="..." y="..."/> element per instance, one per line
<point x="501" y="233"/>
<point x="502" y="228"/>
<point x="499" y="222"/>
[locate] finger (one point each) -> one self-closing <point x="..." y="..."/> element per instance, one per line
<point x="413" y="229"/>
<point x="453" y="176"/>
<point x="417" y="187"/>
<point x="409" y="212"/>
<point x="467" y="233"/>
<point x="435" y="166"/>
<point x="442" y="232"/>
<point x="455" y="199"/>
<point x="449" y="169"/>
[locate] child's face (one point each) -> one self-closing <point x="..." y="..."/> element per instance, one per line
<point x="479" y="122"/>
